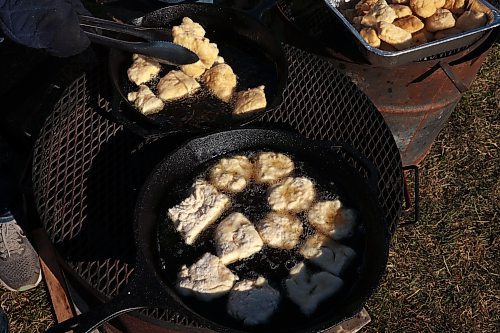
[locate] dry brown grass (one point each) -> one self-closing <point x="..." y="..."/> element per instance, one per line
<point x="29" y="311"/>
<point x="443" y="275"/>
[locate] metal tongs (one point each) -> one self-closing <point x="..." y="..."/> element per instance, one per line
<point x="158" y="43"/>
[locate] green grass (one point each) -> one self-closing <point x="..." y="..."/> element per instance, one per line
<point x="443" y="274"/>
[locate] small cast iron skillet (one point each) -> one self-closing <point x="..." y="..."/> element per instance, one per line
<point x="151" y="284"/>
<point x="256" y="57"/>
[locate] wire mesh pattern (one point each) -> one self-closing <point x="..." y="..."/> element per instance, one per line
<point x="335" y="109"/>
<point x="87" y="170"/>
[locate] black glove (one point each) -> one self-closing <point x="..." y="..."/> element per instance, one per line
<point x="45" y="24"/>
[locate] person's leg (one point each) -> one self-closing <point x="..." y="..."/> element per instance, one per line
<point x="4" y="322"/>
<point x="19" y="265"/>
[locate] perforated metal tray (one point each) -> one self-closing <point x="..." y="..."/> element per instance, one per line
<point x="425" y="51"/>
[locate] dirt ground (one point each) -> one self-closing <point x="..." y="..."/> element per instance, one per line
<point x="443" y="274"/>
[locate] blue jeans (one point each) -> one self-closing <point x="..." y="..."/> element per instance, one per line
<point x="4" y="322"/>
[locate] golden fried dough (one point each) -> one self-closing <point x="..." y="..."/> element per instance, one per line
<point x="145" y="100"/>
<point x="401" y="10"/>
<point x="401" y="2"/>
<point x="423" y="8"/>
<point x="439" y="3"/>
<point x="477" y="6"/>
<point x="409" y="23"/>
<point x="471" y="20"/>
<point x="395" y="36"/>
<point x="143" y="69"/>
<point x="188" y="27"/>
<point x="441" y="20"/>
<point x="206" y="51"/>
<point x="364" y="6"/>
<point x="221" y="81"/>
<point x="455" y="6"/>
<point x="421" y="37"/>
<point x="194" y="70"/>
<point x="370" y="36"/>
<point x="381" y="12"/>
<point x="176" y="84"/>
<point x="448" y="32"/>
<point x="250" y="100"/>
<point x="445" y="33"/>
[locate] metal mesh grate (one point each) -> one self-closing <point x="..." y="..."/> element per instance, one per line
<point x="336" y="109"/>
<point x="87" y="170"/>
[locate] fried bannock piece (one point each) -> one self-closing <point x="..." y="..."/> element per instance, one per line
<point x="145" y="100"/>
<point x="195" y="213"/>
<point x="279" y="230"/>
<point x="423" y="8"/>
<point x="143" y="69"/>
<point x="441" y="20"/>
<point x="370" y="36"/>
<point x="401" y="10"/>
<point x="206" y="279"/>
<point x="308" y="290"/>
<point x="294" y="195"/>
<point x="250" y="100"/>
<point x="421" y="37"/>
<point x="188" y="27"/>
<point x="393" y="35"/>
<point x="221" y="81"/>
<point x="381" y="12"/>
<point x="364" y="6"/>
<point x="191" y="35"/>
<point x="232" y="174"/>
<point x="448" y="32"/>
<point x="236" y="239"/>
<point x="271" y="167"/>
<point x="471" y="20"/>
<point x="175" y="85"/>
<point x="329" y="255"/>
<point x="332" y="219"/>
<point x="457" y="7"/>
<point x="253" y="301"/>
<point x="409" y="23"/>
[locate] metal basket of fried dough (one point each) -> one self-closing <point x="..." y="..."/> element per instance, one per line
<point x="397" y="32"/>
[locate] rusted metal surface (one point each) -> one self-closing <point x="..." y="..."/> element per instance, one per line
<point x="417" y="100"/>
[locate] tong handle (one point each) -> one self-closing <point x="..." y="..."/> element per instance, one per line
<point x="146" y="48"/>
<point x="149" y="34"/>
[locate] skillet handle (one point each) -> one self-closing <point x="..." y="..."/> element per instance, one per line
<point x="88" y="321"/>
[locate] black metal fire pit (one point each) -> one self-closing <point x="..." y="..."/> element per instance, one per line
<point x="87" y="169"/>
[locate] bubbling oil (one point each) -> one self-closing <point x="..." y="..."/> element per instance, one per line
<point x="274" y="264"/>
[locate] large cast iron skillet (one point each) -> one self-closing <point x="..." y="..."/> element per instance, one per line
<point x="150" y="284"/>
<point x="256" y="57"/>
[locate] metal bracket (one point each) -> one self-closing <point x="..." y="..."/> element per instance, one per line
<point x="448" y="70"/>
<point x="408" y="206"/>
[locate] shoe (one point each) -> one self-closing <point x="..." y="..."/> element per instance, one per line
<point x="19" y="265"/>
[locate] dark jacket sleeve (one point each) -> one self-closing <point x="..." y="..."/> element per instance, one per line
<point x="45" y="24"/>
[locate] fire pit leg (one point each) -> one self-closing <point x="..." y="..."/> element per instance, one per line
<point x="354" y="324"/>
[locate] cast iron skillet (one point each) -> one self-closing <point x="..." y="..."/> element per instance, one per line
<point x="150" y="284"/>
<point x="256" y="57"/>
